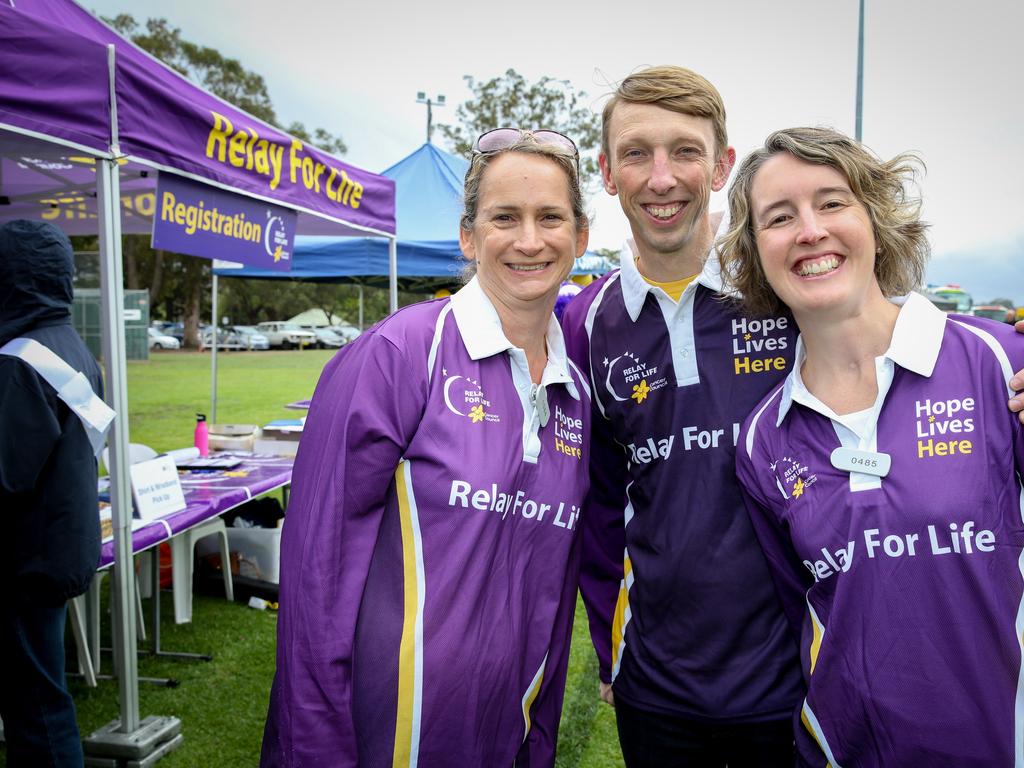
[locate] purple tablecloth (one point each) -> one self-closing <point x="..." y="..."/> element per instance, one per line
<point x="211" y="493"/>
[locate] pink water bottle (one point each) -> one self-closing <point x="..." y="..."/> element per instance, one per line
<point x="202" y="435"/>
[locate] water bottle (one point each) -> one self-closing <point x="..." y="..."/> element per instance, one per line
<point x="202" y="435"/>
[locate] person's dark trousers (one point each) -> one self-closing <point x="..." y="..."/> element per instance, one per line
<point x="655" y="740"/>
<point x="37" y="710"/>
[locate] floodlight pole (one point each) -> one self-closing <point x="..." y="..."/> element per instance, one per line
<point x="421" y="98"/>
<point x="860" y="75"/>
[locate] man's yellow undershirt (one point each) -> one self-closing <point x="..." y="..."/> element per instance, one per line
<point x="675" y="288"/>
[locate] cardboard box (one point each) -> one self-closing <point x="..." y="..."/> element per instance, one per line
<point x="233" y="437"/>
<point x="274" y="446"/>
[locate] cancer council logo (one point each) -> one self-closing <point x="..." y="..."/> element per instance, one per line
<point x="275" y="238"/>
<point x="465" y="397"/>
<point x="792" y="477"/>
<point x="629" y="378"/>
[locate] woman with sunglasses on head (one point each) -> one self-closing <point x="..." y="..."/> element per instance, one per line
<point x="883" y="477"/>
<point x="429" y="559"/>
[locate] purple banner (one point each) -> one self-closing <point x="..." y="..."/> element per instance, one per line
<point x="55" y="83"/>
<point x="201" y="220"/>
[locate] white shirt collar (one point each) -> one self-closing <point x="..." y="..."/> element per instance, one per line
<point x="481" y="332"/>
<point x="915" y="344"/>
<point x="635" y="288"/>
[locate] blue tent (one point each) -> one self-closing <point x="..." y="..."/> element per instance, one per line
<point x="428" y="204"/>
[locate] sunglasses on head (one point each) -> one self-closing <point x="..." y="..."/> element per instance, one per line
<point x="502" y="138"/>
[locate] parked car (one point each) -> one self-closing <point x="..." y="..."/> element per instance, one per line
<point x="994" y="312"/>
<point x="177" y="330"/>
<point x="251" y="338"/>
<point x="286" y="335"/>
<point x="347" y="332"/>
<point x="325" y="337"/>
<point x="158" y="340"/>
<point x="226" y="338"/>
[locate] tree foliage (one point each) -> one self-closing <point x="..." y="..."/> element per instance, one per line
<point x="612" y="254"/>
<point x="223" y="77"/>
<point x="179" y="286"/>
<point x="509" y="100"/>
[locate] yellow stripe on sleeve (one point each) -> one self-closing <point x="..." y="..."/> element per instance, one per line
<point x="619" y="620"/>
<point x="817" y="637"/>
<point x="531" y="694"/>
<point x="410" y="651"/>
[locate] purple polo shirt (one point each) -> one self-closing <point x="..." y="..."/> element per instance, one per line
<point x="429" y="559"/>
<point x="682" y="611"/>
<point x="906" y="589"/>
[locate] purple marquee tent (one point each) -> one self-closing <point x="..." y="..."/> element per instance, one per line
<point x="87" y="123"/>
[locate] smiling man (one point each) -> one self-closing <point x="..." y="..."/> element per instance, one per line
<point x="683" y="616"/>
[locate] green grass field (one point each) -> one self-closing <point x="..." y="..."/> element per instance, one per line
<point x="222" y="704"/>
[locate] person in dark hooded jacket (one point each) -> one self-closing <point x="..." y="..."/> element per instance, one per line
<point x="51" y="541"/>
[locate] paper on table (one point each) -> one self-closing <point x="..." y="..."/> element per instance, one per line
<point x="107" y="523"/>
<point x="183" y="454"/>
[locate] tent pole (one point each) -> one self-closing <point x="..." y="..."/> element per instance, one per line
<point x="360" y="307"/>
<point x="112" y="296"/>
<point x="393" y="272"/>
<point x="213" y="354"/>
<point x="128" y="736"/>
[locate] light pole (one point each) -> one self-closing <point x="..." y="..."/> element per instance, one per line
<point x="421" y="98"/>
<point x="860" y="75"/>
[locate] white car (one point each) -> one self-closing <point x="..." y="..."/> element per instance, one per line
<point x="326" y="338"/>
<point x="251" y="338"/>
<point x="347" y="332"/>
<point x="286" y="335"/>
<point x="158" y="340"/>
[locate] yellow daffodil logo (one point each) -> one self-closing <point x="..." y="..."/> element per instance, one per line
<point x="793" y="474"/>
<point x="640" y="391"/>
<point x="476" y="413"/>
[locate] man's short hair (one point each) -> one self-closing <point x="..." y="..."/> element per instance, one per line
<point x="673" y="88"/>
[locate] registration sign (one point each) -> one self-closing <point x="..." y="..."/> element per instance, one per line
<point x="201" y="220"/>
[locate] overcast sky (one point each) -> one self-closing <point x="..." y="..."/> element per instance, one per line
<point x="941" y="79"/>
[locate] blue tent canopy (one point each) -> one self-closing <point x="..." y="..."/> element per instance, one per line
<point x="428" y="204"/>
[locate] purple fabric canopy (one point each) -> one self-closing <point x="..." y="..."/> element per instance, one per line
<point x="55" y="85"/>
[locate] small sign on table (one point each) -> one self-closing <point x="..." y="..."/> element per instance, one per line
<point x="156" y="488"/>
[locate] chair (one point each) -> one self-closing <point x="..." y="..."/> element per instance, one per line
<point x="86" y="609"/>
<point x="183" y="563"/>
<point x="76" y="617"/>
<point x="136" y="452"/>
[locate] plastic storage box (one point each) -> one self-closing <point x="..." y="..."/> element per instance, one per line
<point x="258" y="549"/>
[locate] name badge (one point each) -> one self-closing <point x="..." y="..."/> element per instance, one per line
<point x="865" y="462"/>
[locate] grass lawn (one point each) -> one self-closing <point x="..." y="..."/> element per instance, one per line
<point x="222" y="704"/>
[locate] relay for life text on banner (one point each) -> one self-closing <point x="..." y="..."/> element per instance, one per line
<point x="201" y="220"/>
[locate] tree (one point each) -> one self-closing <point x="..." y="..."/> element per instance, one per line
<point x="221" y="76"/>
<point x="179" y="283"/>
<point x="510" y="101"/>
